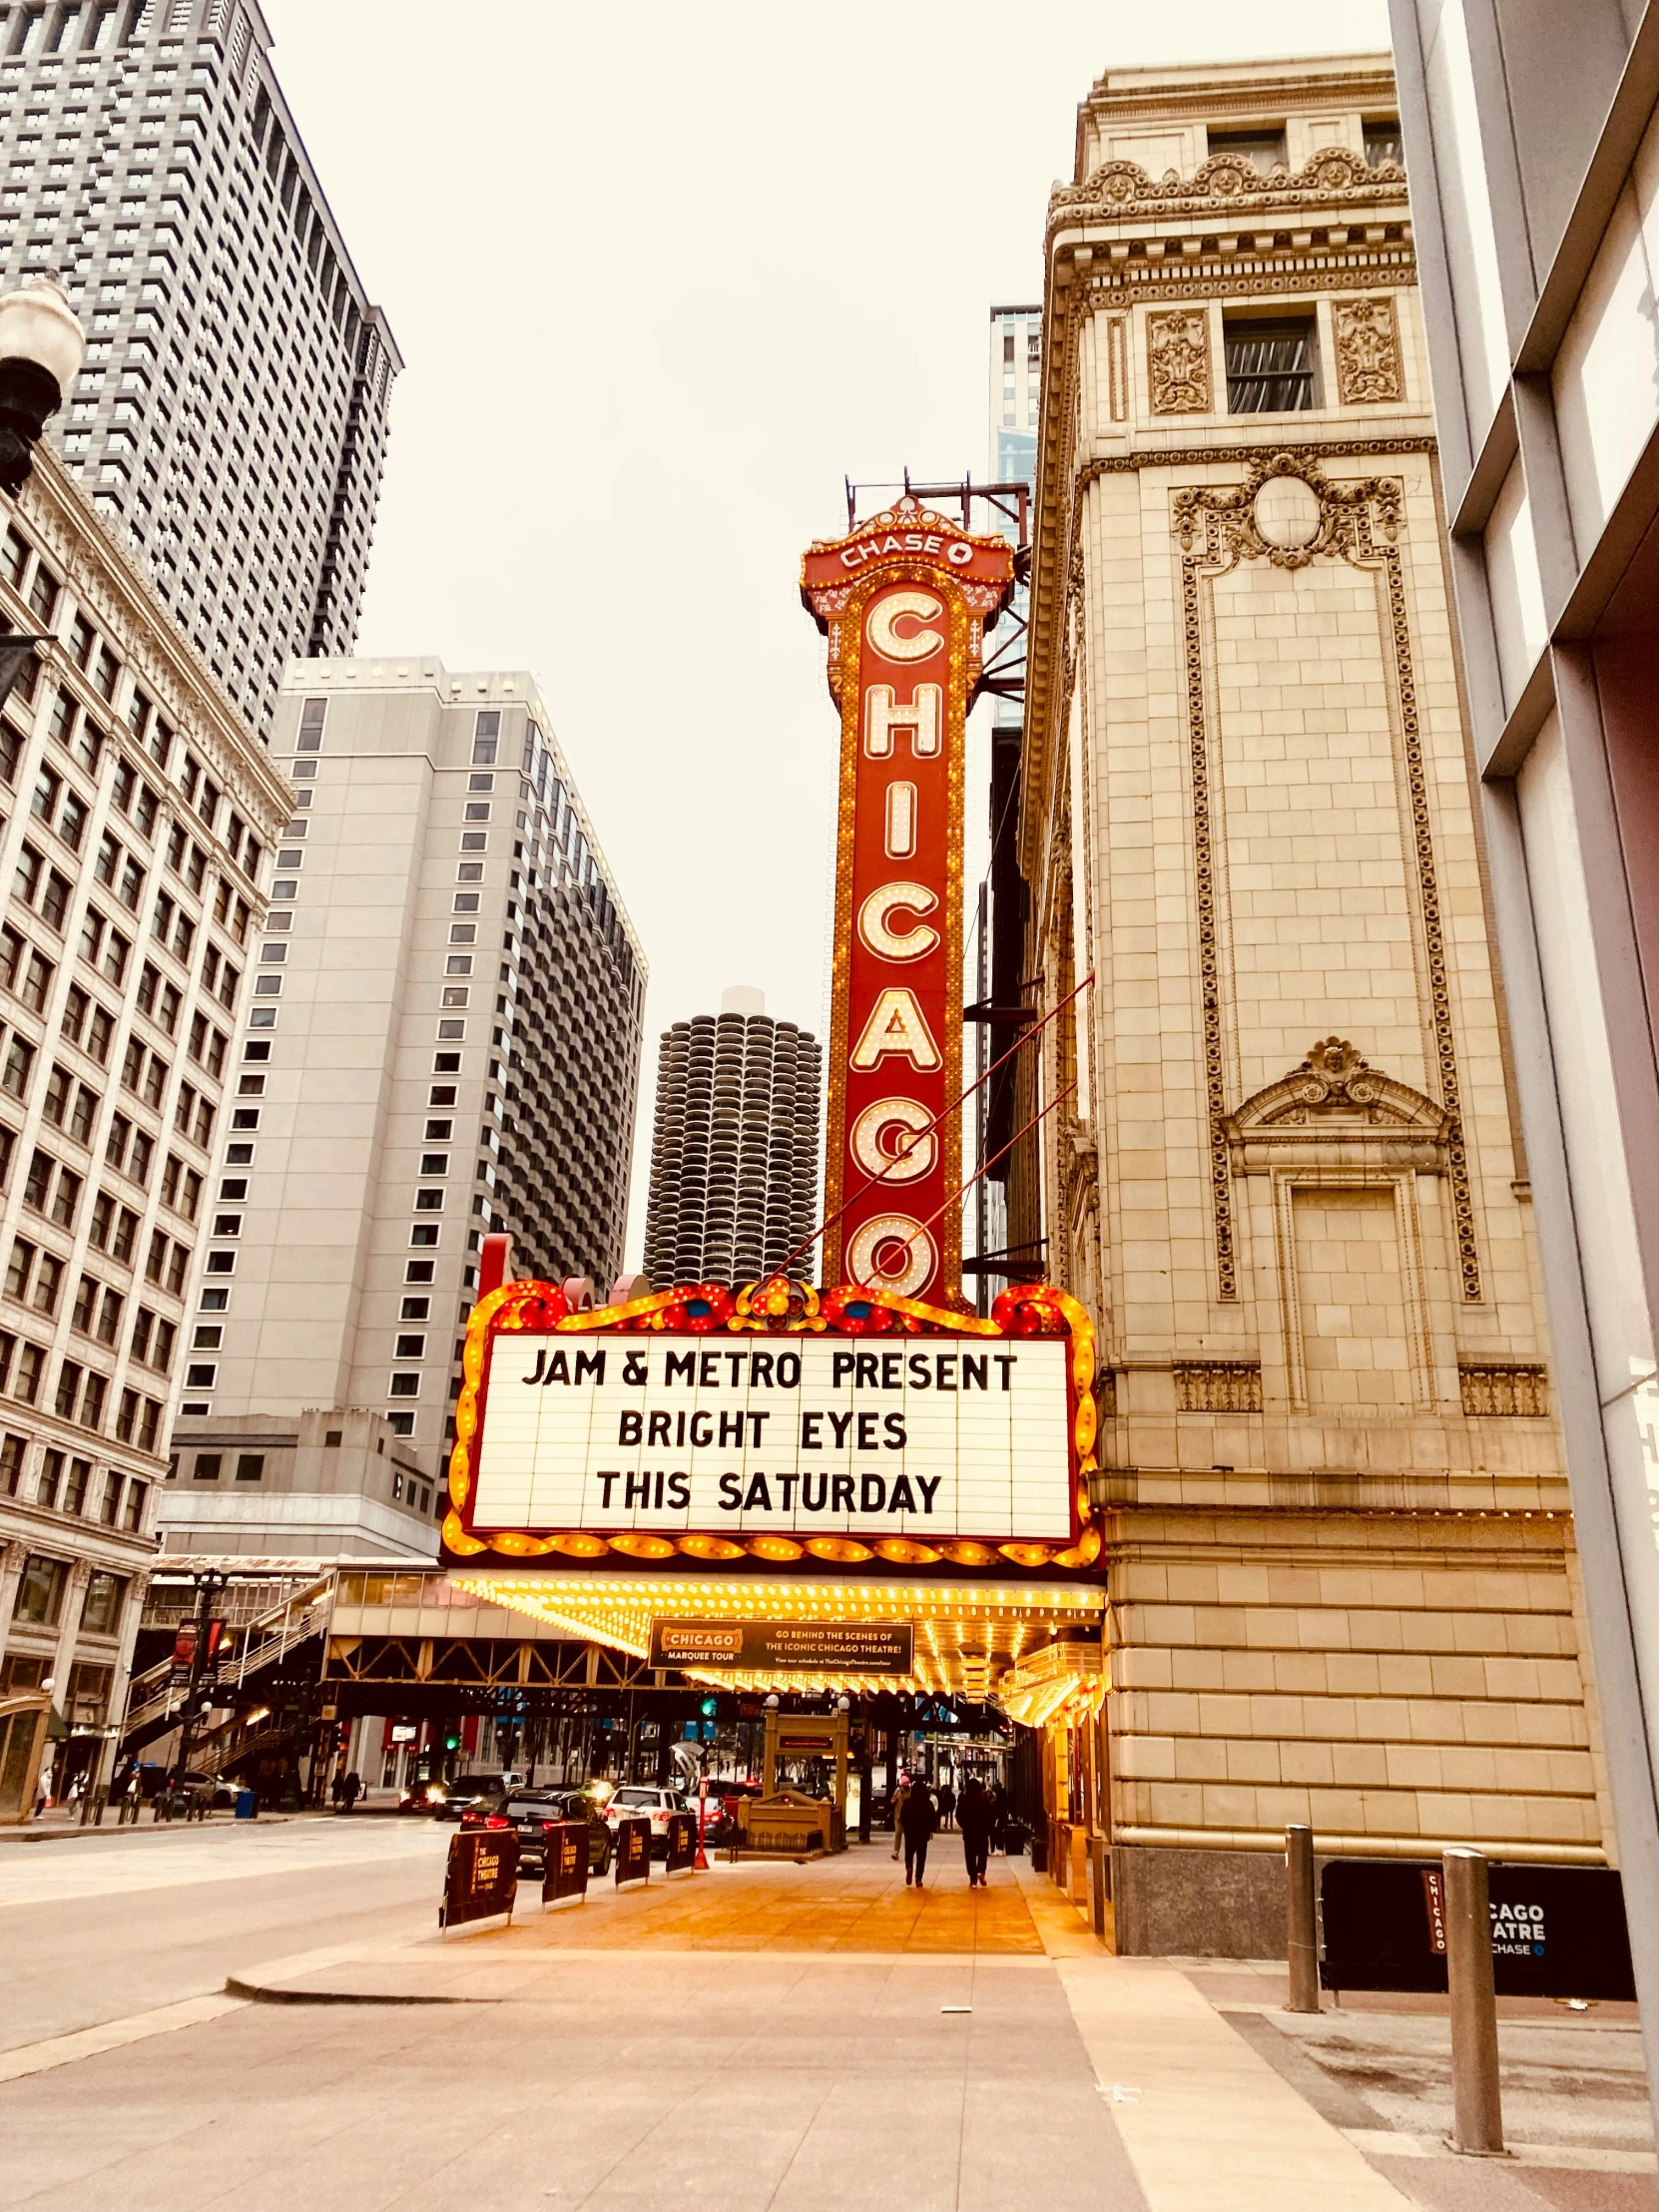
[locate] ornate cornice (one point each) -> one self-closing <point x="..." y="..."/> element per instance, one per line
<point x="1225" y="184"/>
<point x="99" y="569"/>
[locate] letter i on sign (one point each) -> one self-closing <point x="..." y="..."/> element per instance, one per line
<point x="903" y="600"/>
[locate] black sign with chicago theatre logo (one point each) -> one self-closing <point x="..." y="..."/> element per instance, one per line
<point x="481" y="1878"/>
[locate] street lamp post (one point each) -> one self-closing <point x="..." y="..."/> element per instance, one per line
<point x="42" y="347"/>
<point x="209" y="1585"/>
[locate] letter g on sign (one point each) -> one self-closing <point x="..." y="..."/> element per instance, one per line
<point x="886" y="1140"/>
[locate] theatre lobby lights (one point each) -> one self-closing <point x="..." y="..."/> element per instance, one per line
<point x="968" y="1634"/>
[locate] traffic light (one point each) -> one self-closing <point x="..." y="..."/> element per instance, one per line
<point x="709" y="1708"/>
<point x="452" y="1739"/>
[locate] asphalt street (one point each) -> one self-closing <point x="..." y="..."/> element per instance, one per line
<point x="764" y="2037"/>
<point x="94" y="1928"/>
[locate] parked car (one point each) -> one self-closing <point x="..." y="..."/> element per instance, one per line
<point x="530" y="1811"/>
<point x="635" y="1800"/>
<point x="725" y="1796"/>
<point x="468" y="1789"/>
<point x="152" y="1780"/>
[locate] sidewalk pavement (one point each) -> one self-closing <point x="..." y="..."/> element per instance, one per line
<point x="1220" y="2097"/>
<point x="780" y="2037"/>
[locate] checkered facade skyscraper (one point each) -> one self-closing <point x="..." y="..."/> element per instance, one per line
<point x="231" y="417"/>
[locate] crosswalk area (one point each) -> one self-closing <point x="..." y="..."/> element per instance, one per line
<point x="46" y="1873"/>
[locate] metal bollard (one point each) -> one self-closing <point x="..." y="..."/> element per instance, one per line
<point x="1477" y="2109"/>
<point x="1300" y="1926"/>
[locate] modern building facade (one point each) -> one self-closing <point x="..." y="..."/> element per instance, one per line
<point x="1014" y="404"/>
<point x="135" y="856"/>
<point x="325" y="1483"/>
<point x="1532" y="138"/>
<point x="734" y="1149"/>
<point x="230" y="416"/>
<point x="444" y="1040"/>
<point x="1015" y="393"/>
<point x="1289" y="1181"/>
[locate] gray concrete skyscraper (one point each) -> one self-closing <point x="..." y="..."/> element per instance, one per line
<point x="734" y="1151"/>
<point x="231" y="417"/>
<point x="445" y="1039"/>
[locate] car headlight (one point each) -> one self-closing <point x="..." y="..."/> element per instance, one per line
<point x="438" y="1797"/>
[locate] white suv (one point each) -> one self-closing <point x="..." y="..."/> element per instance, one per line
<point x="636" y="1801"/>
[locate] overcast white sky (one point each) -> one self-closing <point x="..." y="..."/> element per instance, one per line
<point x="661" y="276"/>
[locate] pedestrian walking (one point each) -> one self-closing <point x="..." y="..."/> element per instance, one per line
<point x="999" y="1817"/>
<point x="899" y="1797"/>
<point x="350" y="1789"/>
<point x="974" y="1814"/>
<point x="917" y="1821"/>
<point x="336" y="1788"/>
<point x="947" y="1803"/>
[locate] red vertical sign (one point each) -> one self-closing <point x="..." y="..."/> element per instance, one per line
<point x="904" y="601"/>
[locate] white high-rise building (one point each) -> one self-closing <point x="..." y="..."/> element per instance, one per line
<point x="444" y="1040"/>
<point x="230" y="415"/>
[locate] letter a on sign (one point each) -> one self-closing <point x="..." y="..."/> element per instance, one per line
<point x="897" y="1024"/>
<point x="903" y="600"/>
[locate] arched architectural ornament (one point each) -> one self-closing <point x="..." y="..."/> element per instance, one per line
<point x="1289" y="512"/>
<point x="1336" y="1100"/>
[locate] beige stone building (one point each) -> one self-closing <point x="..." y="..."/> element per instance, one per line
<point x="138" y="814"/>
<point x="1289" y="1181"/>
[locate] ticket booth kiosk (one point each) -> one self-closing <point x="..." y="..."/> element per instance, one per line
<point x="809" y="1735"/>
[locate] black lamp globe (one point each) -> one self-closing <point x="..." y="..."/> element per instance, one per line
<point x="42" y="346"/>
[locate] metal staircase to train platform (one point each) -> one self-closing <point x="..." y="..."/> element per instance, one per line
<point x="155" y="1703"/>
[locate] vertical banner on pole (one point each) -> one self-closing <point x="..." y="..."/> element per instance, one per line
<point x="904" y="601"/>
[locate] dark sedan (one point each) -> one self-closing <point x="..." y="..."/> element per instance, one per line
<point x="530" y="1811"/>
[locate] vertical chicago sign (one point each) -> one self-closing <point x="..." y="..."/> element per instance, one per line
<point x="904" y="601"/>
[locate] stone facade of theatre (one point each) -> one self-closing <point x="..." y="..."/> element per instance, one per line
<point x="1289" y="1180"/>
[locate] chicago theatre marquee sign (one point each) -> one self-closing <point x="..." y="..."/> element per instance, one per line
<point x="771" y="1429"/>
<point x="903" y="602"/>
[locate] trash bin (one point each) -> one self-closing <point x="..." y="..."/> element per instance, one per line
<point x="244" y="1804"/>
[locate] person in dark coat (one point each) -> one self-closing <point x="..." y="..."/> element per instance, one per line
<point x="947" y="1803"/>
<point x="917" y="1819"/>
<point x="999" y="1817"/>
<point x="973" y="1816"/>
<point x="350" y="1789"/>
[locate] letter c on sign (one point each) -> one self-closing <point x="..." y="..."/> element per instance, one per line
<point x="897" y="944"/>
<point x="877" y="1156"/>
<point x="878" y="626"/>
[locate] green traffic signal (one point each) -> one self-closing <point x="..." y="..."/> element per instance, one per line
<point x="709" y="1708"/>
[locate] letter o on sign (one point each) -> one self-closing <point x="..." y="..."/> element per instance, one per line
<point x="891" y="1253"/>
<point x="879" y="1156"/>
